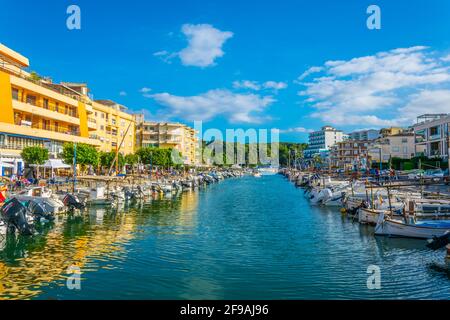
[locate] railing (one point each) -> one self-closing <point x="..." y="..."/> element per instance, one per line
<point x="435" y="136"/>
<point x="58" y="109"/>
<point x="54" y="128"/>
<point x="435" y="153"/>
<point x="26" y="76"/>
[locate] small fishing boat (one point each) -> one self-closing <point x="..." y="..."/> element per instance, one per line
<point x="257" y="175"/>
<point x="420" y="230"/>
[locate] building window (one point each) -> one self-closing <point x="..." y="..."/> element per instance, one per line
<point x="435" y="131"/>
<point x="434" y="149"/>
<point x="15" y="94"/>
<point x="45" y="103"/>
<point x="31" y="100"/>
<point x="420" y="136"/>
<point x="46" y="124"/>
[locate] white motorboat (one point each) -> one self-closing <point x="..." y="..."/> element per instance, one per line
<point x="269" y="171"/>
<point x="44" y="196"/>
<point x="96" y="196"/>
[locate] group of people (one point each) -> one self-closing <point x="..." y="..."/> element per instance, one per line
<point x="389" y="176"/>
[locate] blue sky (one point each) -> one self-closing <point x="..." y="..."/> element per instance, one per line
<point x="239" y="64"/>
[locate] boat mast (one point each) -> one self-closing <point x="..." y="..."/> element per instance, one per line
<point x="74" y="166"/>
<point x="116" y="159"/>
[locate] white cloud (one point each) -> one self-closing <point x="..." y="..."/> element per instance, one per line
<point x="446" y="58"/>
<point x="204" y="44"/>
<point x="371" y="90"/>
<point x="275" y="85"/>
<point x="427" y="101"/>
<point x="243" y="108"/>
<point x="165" y="56"/>
<point x="161" y="53"/>
<point x="255" y="85"/>
<point x="122" y="93"/>
<point x="145" y="92"/>
<point x="296" y="130"/>
<point x="309" y="72"/>
<point x="246" y="84"/>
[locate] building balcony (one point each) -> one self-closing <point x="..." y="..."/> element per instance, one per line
<point x="46" y="132"/>
<point x="148" y="142"/>
<point x="21" y="81"/>
<point x="92" y="125"/>
<point x="434" y="137"/>
<point x="50" y="113"/>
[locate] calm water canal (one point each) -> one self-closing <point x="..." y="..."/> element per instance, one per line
<point x="243" y="238"/>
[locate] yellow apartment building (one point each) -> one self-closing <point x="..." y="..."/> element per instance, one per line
<point x="168" y="135"/>
<point x="115" y="127"/>
<point x="36" y="112"/>
<point x="385" y="132"/>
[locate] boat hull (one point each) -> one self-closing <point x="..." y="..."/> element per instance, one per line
<point x="368" y="216"/>
<point x="398" y="229"/>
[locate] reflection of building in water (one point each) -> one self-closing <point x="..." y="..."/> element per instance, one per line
<point x="50" y="261"/>
<point x="188" y="208"/>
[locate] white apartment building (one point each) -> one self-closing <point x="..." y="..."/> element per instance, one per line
<point x="364" y="135"/>
<point x="432" y="132"/>
<point x="399" y="145"/>
<point x="321" y="141"/>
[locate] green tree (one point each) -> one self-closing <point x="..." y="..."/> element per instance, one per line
<point x="131" y="159"/>
<point x="34" y="76"/>
<point x="35" y="155"/>
<point x="318" y="161"/>
<point x="106" y="159"/>
<point x="155" y="156"/>
<point x="86" y="154"/>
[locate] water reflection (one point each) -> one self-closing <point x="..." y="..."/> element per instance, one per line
<point x="240" y="239"/>
<point x="29" y="264"/>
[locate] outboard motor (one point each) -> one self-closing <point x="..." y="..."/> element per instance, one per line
<point x="14" y="213"/>
<point x="439" y="242"/>
<point x="39" y="211"/>
<point x="129" y="195"/>
<point x="73" y="202"/>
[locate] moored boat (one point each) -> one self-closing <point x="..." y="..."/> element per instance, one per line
<point x="420" y="230"/>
